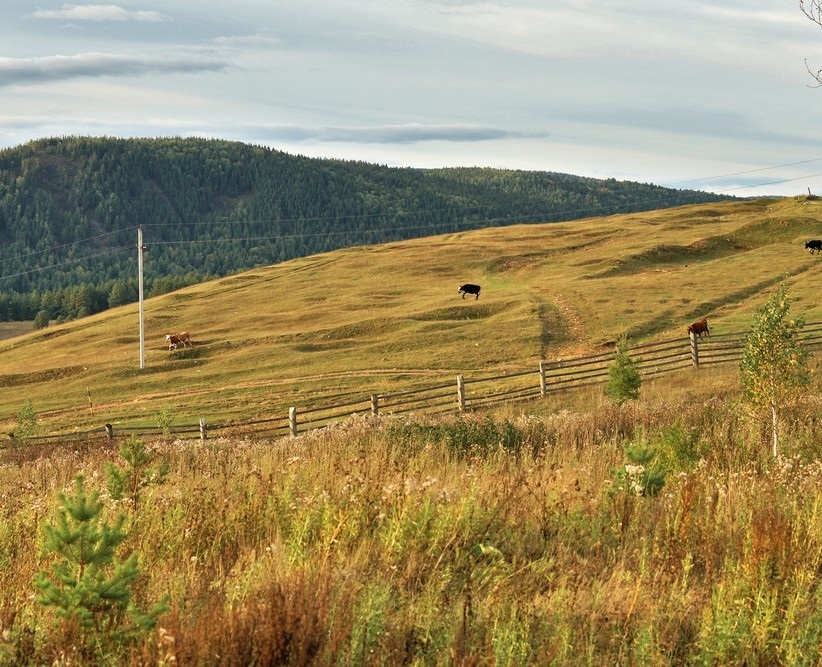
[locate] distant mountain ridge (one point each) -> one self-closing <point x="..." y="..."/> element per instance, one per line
<point x="70" y="207"/>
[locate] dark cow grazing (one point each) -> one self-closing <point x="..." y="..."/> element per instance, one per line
<point x="181" y="338"/>
<point x="468" y="288"/>
<point x="813" y="246"/>
<point x="699" y="328"/>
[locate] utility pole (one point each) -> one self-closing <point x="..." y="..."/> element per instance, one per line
<point x="140" y="248"/>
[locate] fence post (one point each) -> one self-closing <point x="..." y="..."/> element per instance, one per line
<point x="375" y="404"/>
<point x="543" y="387"/>
<point x="109" y="433"/>
<point x="292" y="421"/>
<point x="461" y="392"/>
<point x="202" y="429"/>
<point x="694" y="350"/>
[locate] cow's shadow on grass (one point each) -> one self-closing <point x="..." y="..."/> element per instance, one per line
<point x="196" y="351"/>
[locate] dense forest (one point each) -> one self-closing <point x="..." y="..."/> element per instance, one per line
<point x="70" y="209"/>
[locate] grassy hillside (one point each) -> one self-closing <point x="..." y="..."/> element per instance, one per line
<point x="380" y="318"/>
<point x="70" y="209"/>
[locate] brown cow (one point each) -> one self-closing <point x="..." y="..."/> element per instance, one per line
<point x="181" y="338"/>
<point x="699" y="327"/>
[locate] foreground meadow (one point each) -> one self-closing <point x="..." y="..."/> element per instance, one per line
<point x="513" y="539"/>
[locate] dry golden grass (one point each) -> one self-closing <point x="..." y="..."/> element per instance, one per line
<point x="382" y="318"/>
<point x="449" y="541"/>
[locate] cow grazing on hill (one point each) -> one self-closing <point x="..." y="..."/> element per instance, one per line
<point x="181" y="338"/>
<point x="468" y="288"/>
<point x="699" y="328"/>
<point x="813" y="246"/>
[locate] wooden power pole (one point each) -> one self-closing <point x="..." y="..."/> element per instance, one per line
<point x="140" y="248"/>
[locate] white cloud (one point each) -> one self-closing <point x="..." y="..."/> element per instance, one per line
<point x="98" y="13"/>
<point x="389" y="134"/>
<point x="257" y="39"/>
<point x="22" y="71"/>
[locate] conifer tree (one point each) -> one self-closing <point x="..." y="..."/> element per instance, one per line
<point x="128" y="481"/>
<point x="624" y="380"/>
<point x="26" y="423"/>
<point x="41" y="320"/>
<point x="89" y="586"/>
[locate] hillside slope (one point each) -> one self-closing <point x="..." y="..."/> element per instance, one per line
<point x="385" y="317"/>
<point x="70" y="208"/>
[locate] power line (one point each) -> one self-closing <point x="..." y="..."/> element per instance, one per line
<point x="784" y="180"/>
<point x="101" y="253"/>
<point x="566" y="214"/>
<point x="754" y="171"/>
<point x="60" y="247"/>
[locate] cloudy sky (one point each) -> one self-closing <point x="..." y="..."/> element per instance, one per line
<point x="693" y="94"/>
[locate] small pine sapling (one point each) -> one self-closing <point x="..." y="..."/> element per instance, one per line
<point x="129" y="481"/>
<point x="624" y="380"/>
<point x="165" y="420"/>
<point x="89" y="587"/>
<point x="640" y="476"/>
<point x="26" y="423"/>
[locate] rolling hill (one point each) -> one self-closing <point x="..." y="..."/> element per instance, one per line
<point x="382" y="317"/>
<point x="70" y="209"/>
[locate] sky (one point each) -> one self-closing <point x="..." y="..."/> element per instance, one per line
<point x="696" y="94"/>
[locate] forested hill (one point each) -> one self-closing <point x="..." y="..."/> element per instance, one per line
<point x="70" y="209"/>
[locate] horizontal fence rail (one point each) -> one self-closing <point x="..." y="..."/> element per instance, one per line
<point x="462" y="393"/>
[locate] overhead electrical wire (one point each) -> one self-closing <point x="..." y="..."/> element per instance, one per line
<point x="753" y="171"/>
<point x="431" y="227"/>
<point x="101" y="253"/>
<point x="568" y="214"/>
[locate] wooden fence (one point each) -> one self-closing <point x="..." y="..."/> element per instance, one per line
<point x="461" y="394"/>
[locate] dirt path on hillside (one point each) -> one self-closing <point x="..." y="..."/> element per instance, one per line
<point x="562" y="332"/>
<point x="573" y="322"/>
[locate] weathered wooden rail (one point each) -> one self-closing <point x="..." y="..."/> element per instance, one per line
<point x="461" y="394"/>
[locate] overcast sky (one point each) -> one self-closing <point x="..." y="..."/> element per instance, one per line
<point x="692" y="94"/>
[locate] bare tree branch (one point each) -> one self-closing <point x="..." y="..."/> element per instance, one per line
<point x="813" y="10"/>
<point x="817" y="75"/>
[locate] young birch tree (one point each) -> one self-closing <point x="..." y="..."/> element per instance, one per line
<point x="774" y="368"/>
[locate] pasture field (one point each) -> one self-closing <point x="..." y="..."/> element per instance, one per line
<point x="382" y="318"/>
<point x="530" y="534"/>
